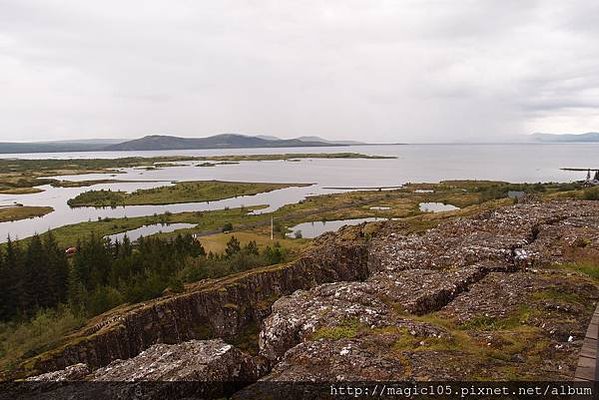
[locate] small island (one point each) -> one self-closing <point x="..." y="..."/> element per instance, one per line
<point x="17" y="212"/>
<point x="181" y="192"/>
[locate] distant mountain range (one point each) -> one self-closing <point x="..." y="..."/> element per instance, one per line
<point x="565" y="137"/>
<point x="224" y="141"/>
<point x="163" y="142"/>
<point x="227" y="141"/>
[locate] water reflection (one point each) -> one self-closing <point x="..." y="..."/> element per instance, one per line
<point x="148" y="230"/>
<point x="311" y="230"/>
<point x="436" y="207"/>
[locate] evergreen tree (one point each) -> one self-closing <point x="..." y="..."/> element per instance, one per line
<point x="93" y="262"/>
<point x="6" y="311"/>
<point x="274" y="255"/>
<point x="13" y="265"/>
<point x="251" y="248"/>
<point x="76" y="291"/>
<point x="36" y="278"/>
<point x="58" y="269"/>
<point x="233" y="247"/>
<point x="126" y="249"/>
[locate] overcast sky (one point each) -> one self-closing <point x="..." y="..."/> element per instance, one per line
<point x="416" y="71"/>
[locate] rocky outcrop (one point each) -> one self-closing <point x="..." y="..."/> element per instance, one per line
<point x="371" y="303"/>
<point x="196" y="368"/>
<point x="194" y="360"/>
<point x="364" y="359"/>
<point x="490" y="305"/>
<point x="474" y="298"/>
<point x="71" y="373"/>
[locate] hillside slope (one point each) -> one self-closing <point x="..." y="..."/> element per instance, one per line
<point x="224" y="141"/>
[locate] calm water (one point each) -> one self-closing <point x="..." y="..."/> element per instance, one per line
<point x="311" y="230"/>
<point x="436" y="207"/>
<point x="148" y="230"/>
<point x="414" y="163"/>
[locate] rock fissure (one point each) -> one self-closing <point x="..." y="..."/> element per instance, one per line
<point x="472" y="297"/>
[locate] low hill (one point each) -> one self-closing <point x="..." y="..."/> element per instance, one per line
<point x="224" y="141"/>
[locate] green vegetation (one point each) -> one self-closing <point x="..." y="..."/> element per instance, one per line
<point x="207" y="222"/>
<point x="19" y="183"/>
<point x="346" y="330"/>
<point x="487" y="323"/>
<point x="589" y="268"/>
<point x="44" y="294"/>
<point x="591" y="193"/>
<point x="181" y="192"/>
<point x="491" y="190"/>
<point x="32" y="277"/>
<point x="235" y="258"/>
<point x="217" y="243"/>
<point x="214" y="164"/>
<point x="22" y="339"/>
<point x="16" y="213"/>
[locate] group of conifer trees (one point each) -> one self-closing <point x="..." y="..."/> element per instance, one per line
<point x="32" y="277"/>
<point x="102" y="274"/>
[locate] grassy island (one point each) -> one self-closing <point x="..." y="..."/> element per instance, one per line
<point x="15" y="213"/>
<point x="20" y="190"/>
<point x="181" y="192"/>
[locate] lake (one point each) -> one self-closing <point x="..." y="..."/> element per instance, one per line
<point x="414" y="163"/>
<point x="148" y="230"/>
<point x="310" y="230"/>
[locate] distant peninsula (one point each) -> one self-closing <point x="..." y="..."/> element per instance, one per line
<point x="165" y="142"/>
<point x="223" y="141"/>
<point x="566" y="137"/>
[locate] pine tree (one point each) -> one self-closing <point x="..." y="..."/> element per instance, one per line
<point x="13" y="264"/>
<point x="252" y="248"/>
<point x="126" y="248"/>
<point x="76" y="291"/>
<point x="36" y="277"/>
<point x="233" y="247"/>
<point x="5" y="298"/>
<point x="58" y="269"/>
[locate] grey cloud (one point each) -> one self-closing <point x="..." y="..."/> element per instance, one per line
<point x="386" y="71"/>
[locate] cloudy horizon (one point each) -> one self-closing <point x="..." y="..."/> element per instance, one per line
<point x="394" y="71"/>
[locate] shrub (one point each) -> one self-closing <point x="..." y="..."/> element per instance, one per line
<point x="103" y="299"/>
<point x="591" y="194"/>
<point x="26" y="339"/>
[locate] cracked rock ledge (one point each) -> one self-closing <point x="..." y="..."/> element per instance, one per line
<point x="492" y="297"/>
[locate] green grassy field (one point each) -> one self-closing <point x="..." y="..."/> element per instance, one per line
<point x="207" y="222"/>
